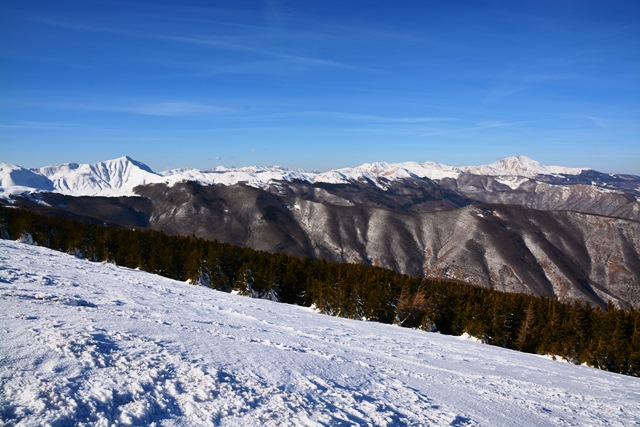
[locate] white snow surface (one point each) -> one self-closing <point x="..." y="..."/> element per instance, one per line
<point x="251" y="175"/>
<point x="95" y="344"/>
<point x="119" y="177"/>
<point x="16" y="179"/>
<point x="116" y="177"/>
<point x="520" y="166"/>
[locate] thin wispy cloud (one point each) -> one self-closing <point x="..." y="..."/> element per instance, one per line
<point x="276" y="67"/>
<point x="36" y="125"/>
<point x="505" y="93"/>
<point x="456" y="110"/>
<point x="273" y="34"/>
<point x="597" y="121"/>
<point x="273" y="11"/>
<point x="157" y="108"/>
<point x="176" y="109"/>
<point x="223" y="43"/>
<point x="489" y="124"/>
<point x="421" y="119"/>
<point x="346" y="116"/>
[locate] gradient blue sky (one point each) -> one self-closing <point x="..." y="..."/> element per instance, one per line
<point x="320" y="84"/>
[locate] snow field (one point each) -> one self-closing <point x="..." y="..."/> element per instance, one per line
<point x="94" y="344"/>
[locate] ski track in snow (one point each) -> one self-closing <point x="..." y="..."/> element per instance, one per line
<point x="94" y="344"/>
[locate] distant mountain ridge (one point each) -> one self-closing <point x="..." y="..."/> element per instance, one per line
<point x="515" y="180"/>
<point x="118" y="177"/>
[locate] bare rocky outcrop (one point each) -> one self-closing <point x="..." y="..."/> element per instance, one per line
<point x="575" y="247"/>
<point x="574" y="256"/>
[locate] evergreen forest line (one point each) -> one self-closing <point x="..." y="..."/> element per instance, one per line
<point x="607" y="338"/>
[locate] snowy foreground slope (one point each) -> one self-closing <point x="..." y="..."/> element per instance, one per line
<point x="93" y="344"/>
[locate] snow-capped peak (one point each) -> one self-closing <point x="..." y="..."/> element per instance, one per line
<point x="115" y="177"/>
<point x="519" y="165"/>
<point x="390" y="171"/>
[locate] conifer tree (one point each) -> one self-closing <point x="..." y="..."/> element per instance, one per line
<point x="525" y="328"/>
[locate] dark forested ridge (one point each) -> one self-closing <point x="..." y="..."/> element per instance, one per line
<point x="605" y="338"/>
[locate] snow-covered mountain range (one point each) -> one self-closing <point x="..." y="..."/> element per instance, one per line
<point x="120" y="176"/>
<point x="94" y="344"/>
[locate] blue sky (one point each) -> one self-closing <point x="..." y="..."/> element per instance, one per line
<point x="320" y="84"/>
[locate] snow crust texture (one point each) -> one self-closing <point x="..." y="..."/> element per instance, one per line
<point x="95" y="344"/>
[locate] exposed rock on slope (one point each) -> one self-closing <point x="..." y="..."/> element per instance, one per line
<point x="515" y="224"/>
<point x="572" y="255"/>
<point x="548" y="195"/>
<point x="568" y="254"/>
